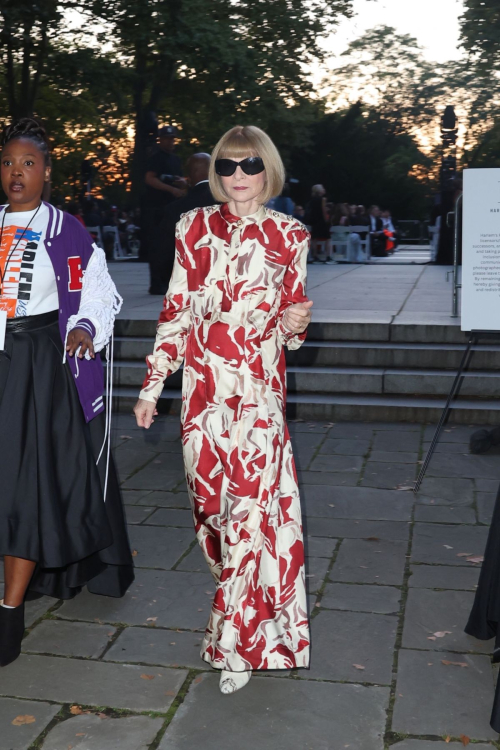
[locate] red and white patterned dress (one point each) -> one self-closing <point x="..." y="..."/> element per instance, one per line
<point x="223" y="313"/>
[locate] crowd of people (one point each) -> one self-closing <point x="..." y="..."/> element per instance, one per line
<point x="322" y="216"/>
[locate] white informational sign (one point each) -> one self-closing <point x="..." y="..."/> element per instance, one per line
<point x="481" y="250"/>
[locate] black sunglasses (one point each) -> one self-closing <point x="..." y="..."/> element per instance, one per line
<point x="250" y="165"/>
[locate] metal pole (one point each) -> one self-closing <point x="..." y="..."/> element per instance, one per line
<point x="442" y="420"/>
<point x="456" y="285"/>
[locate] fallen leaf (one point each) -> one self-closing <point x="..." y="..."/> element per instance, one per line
<point x="172" y="643"/>
<point x="447" y="739"/>
<point x="134" y="553"/>
<point x="23" y="719"/>
<point x="465" y="740"/>
<point x="442" y="633"/>
<point x="151" y="619"/>
<point x="198" y="679"/>
<point x="477" y="559"/>
<point x="75" y="710"/>
<point x="372" y="539"/>
<point x="172" y="693"/>
<point x="331" y="505"/>
<point x="448" y="663"/>
<point x="147" y="676"/>
<point x="103" y="716"/>
<point x="317" y="604"/>
<point x="404" y="487"/>
<point x="447" y="546"/>
<point x="358" y="666"/>
<point x="431" y="638"/>
<point x="464" y="554"/>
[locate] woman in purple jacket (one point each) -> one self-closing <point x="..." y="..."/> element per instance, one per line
<point x="61" y="518"/>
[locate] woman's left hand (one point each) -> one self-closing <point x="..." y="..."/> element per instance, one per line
<point x="297" y="317"/>
<point x="80" y="338"/>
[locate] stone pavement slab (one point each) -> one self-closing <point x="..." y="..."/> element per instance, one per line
<point x="90" y="732"/>
<point x="161" y="499"/>
<point x="428" y="612"/>
<point x="343" y="639"/>
<point x="156" y="477"/>
<point x="362" y="561"/>
<point x="444" y="514"/>
<point x="332" y="479"/>
<point x="36" y="609"/>
<point x="393" y="457"/>
<point x="345" y="447"/>
<point x="171" y="517"/>
<point x="168" y="648"/>
<point x="444" y="577"/>
<point x="159" y="547"/>
<point x="448" y="491"/>
<point x="316" y="570"/>
<point x="35" y="716"/>
<point x="136" y="514"/>
<point x="336" y="464"/>
<point x="388" y="476"/>
<point x="194" y="561"/>
<point x="397" y="440"/>
<point x="449" y="465"/>
<point x="433" y="698"/>
<point x="338" y="527"/>
<point x="176" y="599"/>
<point x="486" y="485"/>
<point x="284" y="714"/>
<point x="62" y="638"/>
<point x="485" y="505"/>
<point x="361" y="598"/>
<point x="319" y="547"/>
<point x="440" y="544"/>
<point x="92" y="683"/>
<point x="356" y="503"/>
<point x="429" y="745"/>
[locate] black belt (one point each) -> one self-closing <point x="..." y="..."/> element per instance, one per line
<point x="31" y="322"/>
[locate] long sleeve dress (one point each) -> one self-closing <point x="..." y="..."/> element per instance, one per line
<point x="223" y="313"/>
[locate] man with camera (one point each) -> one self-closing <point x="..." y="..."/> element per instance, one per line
<point x="164" y="184"/>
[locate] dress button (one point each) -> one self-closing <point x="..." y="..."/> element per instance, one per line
<point x="59" y="278"/>
<point x="49" y="244"/>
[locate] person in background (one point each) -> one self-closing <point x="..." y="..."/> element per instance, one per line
<point x="164" y="184"/>
<point x="376" y="233"/>
<point x="198" y="196"/>
<point x="389" y="231"/>
<point x="341" y="216"/>
<point x="74" y="210"/>
<point x="362" y="218"/>
<point x="319" y="221"/>
<point x="283" y="203"/>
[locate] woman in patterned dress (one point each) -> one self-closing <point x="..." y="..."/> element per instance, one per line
<point x="236" y="298"/>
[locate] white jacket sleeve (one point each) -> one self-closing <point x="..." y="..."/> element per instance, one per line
<point x="100" y="302"/>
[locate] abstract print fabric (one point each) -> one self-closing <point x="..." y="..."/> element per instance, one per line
<point x="233" y="280"/>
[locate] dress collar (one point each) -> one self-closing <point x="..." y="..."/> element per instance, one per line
<point x="255" y="218"/>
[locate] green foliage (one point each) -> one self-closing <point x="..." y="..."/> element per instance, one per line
<point x="358" y="158"/>
<point x="480" y="26"/>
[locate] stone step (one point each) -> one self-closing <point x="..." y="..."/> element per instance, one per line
<point x="349" y="380"/>
<point x="350" y="408"/>
<point x="330" y="326"/>
<point x="355" y="354"/>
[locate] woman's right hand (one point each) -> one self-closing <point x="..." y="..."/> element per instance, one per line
<point x="144" y="412"/>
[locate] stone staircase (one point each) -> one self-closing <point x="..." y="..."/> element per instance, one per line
<point x="350" y="371"/>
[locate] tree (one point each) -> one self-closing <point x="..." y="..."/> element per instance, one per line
<point x="219" y="58"/>
<point x="27" y="31"/>
<point x="480" y="27"/>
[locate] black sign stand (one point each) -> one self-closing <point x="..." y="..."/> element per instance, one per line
<point x="455" y="389"/>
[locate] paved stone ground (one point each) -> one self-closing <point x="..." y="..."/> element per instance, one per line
<point x="390" y="590"/>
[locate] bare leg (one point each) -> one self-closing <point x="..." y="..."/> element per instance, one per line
<point x="18" y="573"/>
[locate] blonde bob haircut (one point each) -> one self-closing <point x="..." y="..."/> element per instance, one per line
<point x="240" y="142"/>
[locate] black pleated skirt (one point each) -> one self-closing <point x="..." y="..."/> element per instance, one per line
<point x="484" y="619"/>
<point x="52" y="508"/>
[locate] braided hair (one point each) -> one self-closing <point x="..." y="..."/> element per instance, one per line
<point x="32" y="130"/>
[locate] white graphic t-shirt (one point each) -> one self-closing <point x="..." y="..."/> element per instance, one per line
<point x="29" y="283"/>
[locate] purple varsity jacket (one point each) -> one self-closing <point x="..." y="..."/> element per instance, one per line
<point x="70" y="248"/>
